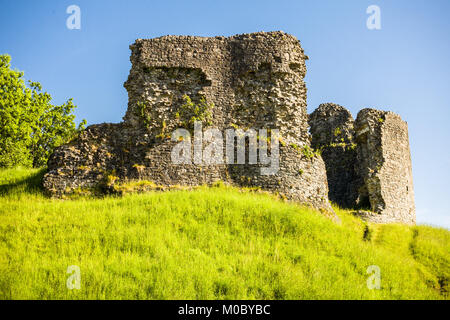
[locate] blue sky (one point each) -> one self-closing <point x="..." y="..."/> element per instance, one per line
<point x="404" y="67"/>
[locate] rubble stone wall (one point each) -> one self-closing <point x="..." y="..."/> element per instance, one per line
<point x="251" y="80"/>
<point x="332" y="132"/>
<point x="368" y="161"/>
<point x="384" y="162"/>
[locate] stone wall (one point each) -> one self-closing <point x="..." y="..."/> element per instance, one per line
<point x="252" y="80"/>
<point x="332" y="132"/>
<point x="249" y="81"/>
<point x="368" y="161"/>
<point x="384" y="162"/>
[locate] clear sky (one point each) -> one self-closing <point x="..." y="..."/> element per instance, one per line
<point x="404" y="67"/>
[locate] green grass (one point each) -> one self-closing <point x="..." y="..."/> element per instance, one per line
<point x="209" y="243"/>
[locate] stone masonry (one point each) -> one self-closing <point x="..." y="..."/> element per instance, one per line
<point x="332" y="132"/>
<point x="368" y="161"/>
<point x="252" y="81"/>
<point x="249" y="81"/>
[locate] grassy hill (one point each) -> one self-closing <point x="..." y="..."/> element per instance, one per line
<point x="210" y="243"/>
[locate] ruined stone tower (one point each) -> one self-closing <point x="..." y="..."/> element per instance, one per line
<point x="332" y="132"/>
<point x="368" y="161"/>
<point x="251" y="81"/>
<point x="243" y="82"/>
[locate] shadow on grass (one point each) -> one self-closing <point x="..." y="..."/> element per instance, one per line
<point x="30" y="184"/>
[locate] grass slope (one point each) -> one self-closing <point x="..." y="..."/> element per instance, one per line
<point x="210" y="243"/>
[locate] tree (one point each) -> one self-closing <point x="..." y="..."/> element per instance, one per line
<point x="30" y="126"/>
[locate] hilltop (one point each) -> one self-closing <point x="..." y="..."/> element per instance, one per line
<point x="209" y="243"/>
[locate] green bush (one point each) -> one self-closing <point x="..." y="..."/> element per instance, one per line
<point x="30" y="126"/>
<point x="190" y="112"/>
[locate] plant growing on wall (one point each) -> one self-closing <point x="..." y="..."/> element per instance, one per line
<point x="142" y="112"/>
<point x="190" y="112"/>
<point x="309" y="152"/>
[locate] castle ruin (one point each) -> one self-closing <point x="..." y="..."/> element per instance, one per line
<point x="249" y="81"/>
<point x="368" y="161"/>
